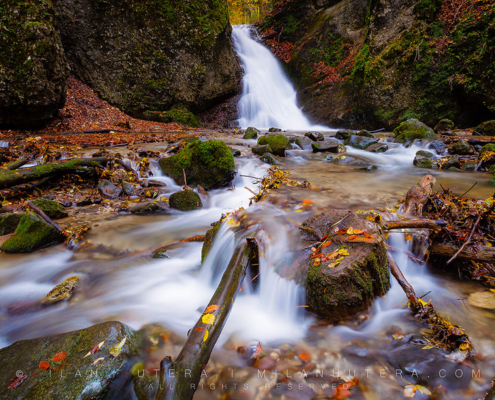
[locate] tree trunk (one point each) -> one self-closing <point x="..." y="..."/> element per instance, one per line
<point x="179" y="379"/>
<point x="414" y="224"/>
<point x="482" y="254"/>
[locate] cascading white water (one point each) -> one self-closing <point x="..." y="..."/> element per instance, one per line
<point x="268" y="97"/>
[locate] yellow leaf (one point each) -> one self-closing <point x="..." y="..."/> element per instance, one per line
<point x="116" y="350"/>
<point x="492" y="290"/>
<point x="333" y="265"/>
<point x="208" y="319"/>
<point x="409" y="238"/>
<point x="205" y="337"/>
<point x="98" y="360"/>
<point x="465" y="346"/>
<point x="423" y="390"/>
<point x="487" y="243"/>
<point x="398" y="336"/>
<point x="350" y="231"/>
<point x="344" y="252"/>
<point x="422" y="302"/>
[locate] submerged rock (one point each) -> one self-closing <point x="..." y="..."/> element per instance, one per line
<point x="209" y="164"/>
<point x="331" y="146"/>
<point x="439" y="146"/>
<point x="424" y="159"/>
<point x="346" y="284"/>
<point x="377" y="148"/>
<point x="277" y="143"/>
<point x="32" y="233"/>
<point x="271" y="159"/>
<point x="161" y="253"/>
<point x="261" y="149"/>
<point x="51" y="208"/>
<point x="157" y="207"/>
<point x="461" y="147"/>
<point x="445" y="125"/>
<point x="185" y="200"/>
<point x="251" y="133"/>
<point x="79" y="377"/>
<point x="315" y="136"/>
<point x="360" y="142"/>
<point x="9" y="222"/>
<point x="63" y="291"/>
<point x="413" y="129"/>
<point x="108" y="189"/>
<point x="486" y="128"/>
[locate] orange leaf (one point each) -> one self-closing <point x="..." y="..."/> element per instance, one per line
<point x="324" y="237"/>
<point x="316" y="255"/>
<point x="17" y="381"/>
<point x="341" y="231"/>
<point x="307" y="202"/>
<point x="327" y="243"/>
<point x="342" y="391"/>
<point x="59" y="356"/>
<point x="305" y="357"/>
<point x="200" y="329"/>
<point x="352" y="237"/>
<point x="259" y="350"/>
<point x="210" y="309"/>
<point x="44" y="365"/>
<point x="368" y="236"/>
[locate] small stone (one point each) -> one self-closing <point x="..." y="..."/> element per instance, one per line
<point x="156" y="207"/>
<point x="304" y="142"/>
<point x="251" y="133"/>
<point x="369" y="168"/>
<point x="377" y="148"/>
<point x="344" y="134"/>
<point x="270" y="159"/>
<point x="108" y="189"/>
<point x="330" y="146"/>
<point x="118" y="176"/>
<point x="360" y="142"/>
<point x="260" y="150"/>
<point x="274" y="130"/>
<point x="235" y="152"/>
<point x="277" y="142"/>
<point x="439" y="146"/>
<point x="185" y="200"/>
<point x="315" y="136"/>
<point x="127" y="188"/>
<point x="452" y="162"/>
<point x="161" y="253"/>
<point x="469" y="165"/>
<point x="63" y="291"/>
<point x="364" y="133"/>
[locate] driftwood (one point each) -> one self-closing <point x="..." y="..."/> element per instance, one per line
<point x="418" y="195"/>
<point x="480" y="253"/>
<point x="414" y="224"/>
<point x="41" y="213"/>
<point x="179" y="379"/>
<point x="397" y="273"/>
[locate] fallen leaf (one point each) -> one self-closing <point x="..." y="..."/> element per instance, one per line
<point x="367" y="235"/>
<point x="200" y="329"/>
<point x="305" y="357"/>
<point x="211" y="309"/>
<point x="44" y="365"/>
<point x="205" y="337"/>
<point x="259" y="350"/>
<point x="95" y="349"/>
<point x="360" y="231"/>
<point x="59" y="356"/>
<point x="409" y="238"/>
<point x="342" y="391"/>
<point x="327" y="243"/>
<point x="307" y="202"/>
<point x="398" y="336"/>
<point x="116" y="350"/>
<point x="352" y="237"/>
<point x="98" y="360"/>
<point x="350" y="231"/>
<point x="340" y="231"/>
<point x="208" y="319"/>
<point x="17" y="381"/>
<point x="343" y="252"/>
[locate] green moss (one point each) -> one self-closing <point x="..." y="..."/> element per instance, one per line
<point x="51" y="208"/>
<point x="413" y="129"/>
<point x="9" y="222"/>
<point x="178" y="115"/>
<point x="209" y="164"/>
<point x="278" y="143"/>
<point x="31" y="234"/>
<point x="210" y="237"/>
<point x="486" y="128"/>
<point x="185" y="200"/>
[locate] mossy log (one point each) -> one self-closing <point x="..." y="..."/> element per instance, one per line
<point x="13" y="178"/>
<point x="179" y="379"/>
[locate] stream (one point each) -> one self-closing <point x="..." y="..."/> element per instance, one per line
<point x="382" y="347"/>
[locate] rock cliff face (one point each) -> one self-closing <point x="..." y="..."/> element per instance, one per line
<point x="33" y="67"/>
<point x="361" y="63"/>
<point x="151" y="54"/>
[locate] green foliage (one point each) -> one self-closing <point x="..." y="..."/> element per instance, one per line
<point x="178" y="115"/>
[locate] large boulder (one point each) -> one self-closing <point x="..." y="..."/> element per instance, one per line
<point x="461" y="147"/>
<point x="348" y="282"/>
<point x="33" y="67"/>
<point x="157" y="207"/>
<point x="251" y="133"/>
<point x="277" y="142"/>
<point x="76" y="375"/>
<point x="486" y="128"/>
<point x="151" y="55"/>
<point x="51" y="208"/>
<point x="209" y="164"/>
<point x="360" y="142"/>
<point x="185" y="200"/>
<point x="9" y="222"/>
<point x="424" y="159"/>
<point x="331" y="146"/>
<point x="413" y="129"/>
<point x="32" y="233"/>
<point x="445" y="125"/>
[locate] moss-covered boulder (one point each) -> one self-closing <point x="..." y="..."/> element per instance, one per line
<point x="51" y="208"/>
<point x="344" y="134"/>
<point x="315" y="136"/>
<point x="413" y="129"/>
<point x="424" y="159"/>
<point x="63" y="291"/>
<point x="9" y="222"/>
<point x="74" y="375"/>
<point x="278" y="143"/>
<point x="469" y="165"/>
<point x="251" y="133"/>
<point x="452" y="163"/>
<point x="328" y="146"/>
<point x="209" y="164"/>
<point x="272" y="129"/>
<point x="461" y="147"/>
<point x="210" y="237"/>
<point x="185" y="200"/>
<point x="360" y="142"/>
<point x="364" y="133"/>
<point x="445" y="125"/>
<point x="490" y="147"/>
<point x="32" y="233"/>
<point x="261" y="149"/>
<point x="157" y="207"/>
<point x="352" y="270"/>
<point x="34" y="70"/>
<point x="179" y="115"/>
<point x="486" y="128"/>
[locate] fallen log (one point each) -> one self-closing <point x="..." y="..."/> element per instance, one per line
<point x="17" y="164"/>
<point x="179" y="379"/>
<point x="480" y="253"/>
<point x="13" y="178"/>
<point x="414" y="224"/>
<point x="42" y="214"/>
<point x="397" y="273"/>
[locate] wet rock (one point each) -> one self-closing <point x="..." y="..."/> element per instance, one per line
<point x="51" y="208"/>
<point x="486" y="128"/>
<point x="364" y="133"/>
<point x="153" y="182"/>
<point x="439" y="146"/>
<point x="63" y="291"/>
<point x="78" y="379"/>
<point x="151" y="192"/>
<point x="304" y="142"/>
<point x="452" y="162"/>
<point x="210" y="237"/>
<point x="368" y="168"/>
<point x="274" y="130"/>
<point x="340" y="291"/>
<point x="487" y="148"/>
<point x="161" y="253"/>
<point x="277" y="143"/>
<point x="235" y="152"/>
<point x="270" y="159"/>
<point x="251" y="133"/>
<point x="9" y="222"/>
<point x="185" y="200"/>
<point x="118" y="176"/>
<point x="108" y="189"/>
<point x="413" y="129"/>
<point x="360" y="142"/>
<point x="32" y="233"/>
<point x="469" y="165"/>
<point x="88" y="200"/>
<point x="445" y="125"/>
<point x="377" y="148"/>
<point x="128" y="188"/>
<point x="461" y="147"/>
<point x="424" y="159"/>
<point x="156" y="207"/>
<point x="260" y="150"/>
<point x="344" y="134"/>
<point x="209" y="164"/>
<point x="330" y="146"/>
<point x="315" y="136"/>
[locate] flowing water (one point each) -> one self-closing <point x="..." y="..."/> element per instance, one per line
<point x="121" y="281"/>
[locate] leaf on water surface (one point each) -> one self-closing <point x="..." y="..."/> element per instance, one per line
<point x="116" y="350"/>
<point x="44" y="365"/>
<point x="259" y="350"/>
<point x="17" y="381"/>
<point x="59" y="356"/>
<point x="208" y="319"/>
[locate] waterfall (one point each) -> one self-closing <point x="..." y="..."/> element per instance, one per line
<point x="268" y="97"/>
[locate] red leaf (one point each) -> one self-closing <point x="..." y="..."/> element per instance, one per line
<point x="95" y="349"/>
<point x="341" y="232"/>
<point x="59" y="356"/>
<point x="17" y="381"/>
<point x="259" y="350"/>
<point x="44" y="365"/>
<point x="200" y="329"/>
